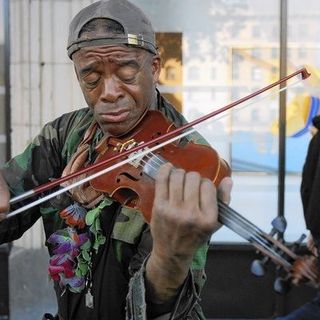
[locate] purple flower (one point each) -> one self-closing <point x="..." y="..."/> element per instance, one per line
<point x="67" y="241"/>
<point x="62" y="264"/>
<point x="75" y="283"/>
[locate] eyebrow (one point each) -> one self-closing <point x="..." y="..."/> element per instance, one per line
<point x="129" y="62"/>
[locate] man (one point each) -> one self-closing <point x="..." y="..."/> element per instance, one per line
<point x="310" y="200"/>
<point x="106" y="261"/>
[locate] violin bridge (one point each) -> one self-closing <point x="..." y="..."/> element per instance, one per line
<point x="137" y="161"/>
<point x="127" y="145"/>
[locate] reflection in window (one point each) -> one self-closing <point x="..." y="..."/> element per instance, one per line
<point x="254" y="116"/>
<point x="302" y="53"/>
<point x="194" y="73"/>
<point x="213" y="73"/>
<point x="170" y="73"/>
<point x="237" y="59"/>
<point x="256" y="73"/>
<point x="303" y="30"/>
<point x="256" y="31"/>
<point x="256" y="53"/>
<point x="274" y="53"/>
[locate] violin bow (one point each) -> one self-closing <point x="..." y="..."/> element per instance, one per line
<point x="133" y="153"/>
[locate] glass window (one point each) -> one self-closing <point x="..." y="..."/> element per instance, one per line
<point x="256" y="73"/>
<point x="213" y="73"/>
<point x="228" y="44"/>
<point x="255" y="31"/>
<point x="194" y="73"/>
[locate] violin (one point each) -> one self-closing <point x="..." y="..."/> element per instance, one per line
<point x="133" y="185"/>
<point x="126" y="166"/>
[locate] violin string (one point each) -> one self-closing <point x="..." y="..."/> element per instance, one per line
<point x="156" y="166"/>
<point x="231" y="216"/>
<point x="241" y="225"/>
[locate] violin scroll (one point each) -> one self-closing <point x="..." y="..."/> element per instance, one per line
<point x="298" y="269"/>
<point x="258" y="267"/>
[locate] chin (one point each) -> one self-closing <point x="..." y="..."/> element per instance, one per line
<point x="114" y="130"/>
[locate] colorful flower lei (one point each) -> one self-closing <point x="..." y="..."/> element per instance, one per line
<point x="71" y="263"/>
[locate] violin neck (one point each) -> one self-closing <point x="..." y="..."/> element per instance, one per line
<point x="236" y="222"/>
<point x="247" y="230"/>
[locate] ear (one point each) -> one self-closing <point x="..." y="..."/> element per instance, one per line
<point x="75" y="70"/>
<point x="156" y="68"/>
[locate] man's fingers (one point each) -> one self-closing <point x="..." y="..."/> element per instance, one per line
<point x="162" y="182"/>
<point x="208" y="193"/>
<point x="176" y="185"/>
<point x="192" y="188"/>
<point x="224" y="190"/>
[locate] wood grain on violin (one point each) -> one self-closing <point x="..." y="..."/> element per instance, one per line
<point x="133" y="183"/>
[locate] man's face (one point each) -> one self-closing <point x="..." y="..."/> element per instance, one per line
<point x="118" y="83"/>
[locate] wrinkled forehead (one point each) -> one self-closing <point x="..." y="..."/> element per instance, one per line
<point x="116" y="51"/>
<point x="117" y="54"/>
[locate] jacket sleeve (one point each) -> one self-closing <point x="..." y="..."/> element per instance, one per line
<point x="310" y="186"/>
<point x="186" y="302"/>
<point x="38" y="164"/>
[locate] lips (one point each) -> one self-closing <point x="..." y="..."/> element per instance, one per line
<point x="118" y="116"/>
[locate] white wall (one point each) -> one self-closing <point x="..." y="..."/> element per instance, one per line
<point x="43" y="85"/>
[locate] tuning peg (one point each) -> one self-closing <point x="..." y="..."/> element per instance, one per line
<point x="279" y="224"/>
<point x="258" y="267"/>
<point x="282" y="284"/>
<point x="298" y="243"/>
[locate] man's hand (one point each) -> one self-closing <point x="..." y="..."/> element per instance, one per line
<point x="4" y="198"/>
<point x="312" y="246"/>
<point x="305" y="270"/>
<point x="185" y="214"/>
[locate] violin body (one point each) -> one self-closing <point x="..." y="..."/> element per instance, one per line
<point x="133" y="184"/>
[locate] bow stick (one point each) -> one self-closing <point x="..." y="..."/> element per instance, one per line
<point x="169" y="137"/>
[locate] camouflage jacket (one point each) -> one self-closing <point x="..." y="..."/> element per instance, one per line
<point x="130" y="240"/>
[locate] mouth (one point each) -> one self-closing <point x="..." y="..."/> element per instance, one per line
<point x="114" y="117"/>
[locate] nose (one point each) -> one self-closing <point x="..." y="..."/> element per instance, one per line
<point x="111" y="90"/>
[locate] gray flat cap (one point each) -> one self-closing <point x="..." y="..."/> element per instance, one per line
<point x="137" y="27"/>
